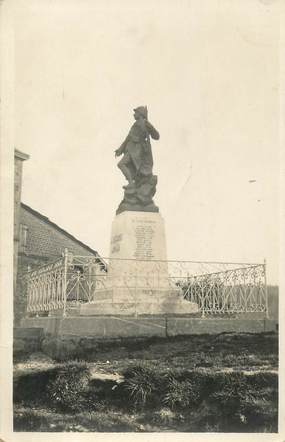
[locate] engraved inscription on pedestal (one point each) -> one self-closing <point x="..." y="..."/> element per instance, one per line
<point x="138" y="236"/>
<point x="144" y="237"/>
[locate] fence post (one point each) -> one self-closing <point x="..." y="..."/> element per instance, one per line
<point x="203" y="300"/>
<point x="136" y="283"/>
<point x="78" y="288"/>
<point x="65" y="264"/>
<point x="27" y="290"/>
<point x="266" y="290"/>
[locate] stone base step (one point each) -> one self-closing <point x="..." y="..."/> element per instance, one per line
<point x="140" y="308"/>
<point x="105" y="327"/>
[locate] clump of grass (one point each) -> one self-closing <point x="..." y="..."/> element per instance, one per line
<point x="142" y="385"/>
<point x="67" y="391"/>
<point x="230" y="388"/>
<point x="180" y="394"/>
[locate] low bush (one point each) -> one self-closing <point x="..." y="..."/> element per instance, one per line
<point x="142" y="385"/>
<point x="180" y="394"/>
<point x="228" y="401"/>
<point x="68" y="390"/>
<point x="230" y="389"/>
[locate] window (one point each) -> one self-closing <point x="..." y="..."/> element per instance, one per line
<point x="23" y="238"/>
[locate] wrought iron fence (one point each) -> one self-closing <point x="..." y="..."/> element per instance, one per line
<point x="46" y="287"/>
<point x="240" y="290"/>
<point x="216" y="287"/>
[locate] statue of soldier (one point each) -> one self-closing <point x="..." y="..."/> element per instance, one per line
<point x="137" y="160"/>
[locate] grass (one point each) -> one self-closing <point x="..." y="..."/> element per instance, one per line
<point x="226" y="382"/>
<point x="44" y="420"/>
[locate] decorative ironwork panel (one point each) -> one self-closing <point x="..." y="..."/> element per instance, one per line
<point x="240" y="290"/>
<point x="45" y="287"/>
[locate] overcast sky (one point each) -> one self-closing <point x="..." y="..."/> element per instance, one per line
<point x="208" y="72"/>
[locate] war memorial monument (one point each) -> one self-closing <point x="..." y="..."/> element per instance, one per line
<point x="138" y="280"/>
<point x="137" y="291"/>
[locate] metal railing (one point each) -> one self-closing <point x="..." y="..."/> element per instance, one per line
<point x="46" y="287"/>
<point x="240" y="290"/>
<point x="216" y="287"/>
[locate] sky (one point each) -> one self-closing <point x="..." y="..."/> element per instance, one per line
<point x="209" y="74"/>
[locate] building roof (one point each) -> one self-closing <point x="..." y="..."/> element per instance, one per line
<point x="59" y="229"/>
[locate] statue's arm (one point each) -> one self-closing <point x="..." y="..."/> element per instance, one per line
<point x="122" y="148"/>
<point x="152" y="131"/>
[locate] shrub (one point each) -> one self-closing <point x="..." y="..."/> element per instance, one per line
<point x="230" y="388"/>
<point x="202" y="382"/>
<point x="142" y="385"/>
<point x="68" y="390"/>
<point x="180" y="394"/>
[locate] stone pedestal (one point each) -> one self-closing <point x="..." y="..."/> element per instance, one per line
<point x="137" y="282"/>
